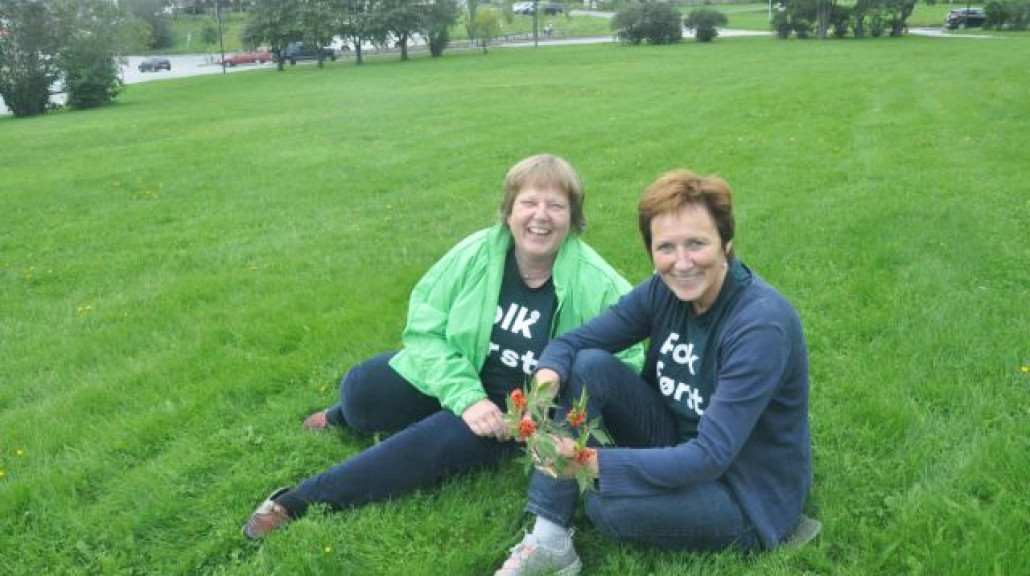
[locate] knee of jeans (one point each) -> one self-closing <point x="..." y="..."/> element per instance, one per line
<point x="354" y="401"/>
<point x="595" y="511"/>
<point x="591" y="368"/>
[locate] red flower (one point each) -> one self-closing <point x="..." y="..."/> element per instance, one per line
<point x="526" y="427"/>
<point x="518" y="399"/>
<point x="583" y="455"/>
<point x="576" y="418"/>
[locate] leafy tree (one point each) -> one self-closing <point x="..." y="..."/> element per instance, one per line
<point x="657" y="23"/>
<point x="209" y="35"/>
<point x="361" y="21"/>
<point x="273" y="22"/>
<point x="28" y="54"/>
<point x="89" y="63"/>
<point x="858" y="15"/>
<point x="705" y="23"/>
<point x="470" y="18"/>
<point x="152" y="13"/>
<point x="403" y="19"/>
<point x="487" y="25"/>
<point x="882" y="16"/>
<point x="823" y="12"/>
<point x="898" y="12"/>
<point x="47" y="42"/>
<point x="318" y="21"/>
<point x="840" y="19"/>
<point x="440" y="15"/>
<point x="1013" y="14"/>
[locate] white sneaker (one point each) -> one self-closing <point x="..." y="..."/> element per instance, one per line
<point x="530" y="558"/>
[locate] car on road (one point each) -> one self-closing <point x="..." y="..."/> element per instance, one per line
<point x="965" y="18"/>
<point x="154" y="64"/>
<point x="297" y="51"/>
<point x="552" y="8"/>
<point x="258" y="56"/>
<point x="527" y="8"/>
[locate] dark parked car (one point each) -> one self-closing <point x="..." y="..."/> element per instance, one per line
<point x="965" y="18"/>
<point x="154" y="64"/>
<point x="552" y="7"/>
<point x="296" y="51"/>
<point x="527" y="8"/>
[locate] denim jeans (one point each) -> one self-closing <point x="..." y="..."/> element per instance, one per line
<point x="702" y="516"/>
<point x="431" y="444"/>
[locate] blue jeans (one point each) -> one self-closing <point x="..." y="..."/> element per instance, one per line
<point x="699" y="517"/>
<point x="431" y="444"/>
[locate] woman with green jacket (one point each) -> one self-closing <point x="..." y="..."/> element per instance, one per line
<point x="477" y="322"/>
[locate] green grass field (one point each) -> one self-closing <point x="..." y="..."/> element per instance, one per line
<point x="186" y="274"/>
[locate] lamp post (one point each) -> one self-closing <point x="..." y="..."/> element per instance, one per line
<point x="536" y="23"/>
<point x="221" y="43"/>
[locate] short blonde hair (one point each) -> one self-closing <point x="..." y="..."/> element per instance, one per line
<point x="545" y="171"/>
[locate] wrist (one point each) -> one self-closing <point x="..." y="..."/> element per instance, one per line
<point x="594" y="465"/>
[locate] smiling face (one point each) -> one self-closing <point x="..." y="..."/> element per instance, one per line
<point x="539" y="222"/>
<point x="688" y="255"/>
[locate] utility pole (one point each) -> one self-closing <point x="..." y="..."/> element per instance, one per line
<point x="221" y="43"/>
<point x="536" y="23"/>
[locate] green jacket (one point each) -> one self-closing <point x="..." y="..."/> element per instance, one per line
<point x="451" y="312"/>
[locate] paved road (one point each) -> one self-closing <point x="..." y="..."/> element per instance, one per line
<point x="182" y="66"/>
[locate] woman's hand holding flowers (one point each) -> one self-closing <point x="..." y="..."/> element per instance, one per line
<point x="555" y="447"/>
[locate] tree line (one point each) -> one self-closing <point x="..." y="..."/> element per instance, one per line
<point x="359" y="23"/>
<point x="45" y="44"/>
<point x="75" y="46"/>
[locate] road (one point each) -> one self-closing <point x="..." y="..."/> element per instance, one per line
<point x="182" y="66"/>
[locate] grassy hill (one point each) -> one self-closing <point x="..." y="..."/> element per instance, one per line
<point x="186" y="274"/>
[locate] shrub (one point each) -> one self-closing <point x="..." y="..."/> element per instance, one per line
<point x="840" y="19"/>
<point x="90" y="72"/>
<point x="705" y="23"/>
<point x="1018" y="13"/>
<point x="438" y="19"/>
<point x="803" y="28"/>
<point x="209" y="35"/>
<point x="655" y="23"/>
<point x="487" y="25"/>
<point x="858" y="22"/>
<point x="876" y="25"/>
<point x="781" y="24"/>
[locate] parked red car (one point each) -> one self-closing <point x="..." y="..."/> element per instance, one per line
<point x="259" y="56"/>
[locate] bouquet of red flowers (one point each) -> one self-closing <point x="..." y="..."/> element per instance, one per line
<point x="529" y="420"/>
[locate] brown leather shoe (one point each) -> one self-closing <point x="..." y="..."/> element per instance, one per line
<point x="267" y="518"/>
<point x="316" y="421"/>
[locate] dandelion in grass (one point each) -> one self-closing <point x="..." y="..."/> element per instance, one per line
<point x="3" y="474"/>
<point x="1025" y="369"/>
<point x="529" y="421"/>
<point x="19" y="452"/>
<point x="327" y="549"/>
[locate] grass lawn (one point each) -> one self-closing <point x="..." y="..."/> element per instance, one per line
<point x="186" y="274"/>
